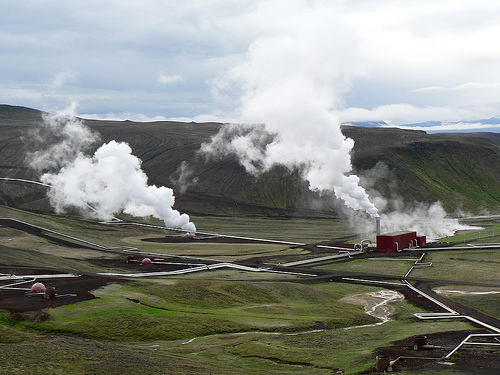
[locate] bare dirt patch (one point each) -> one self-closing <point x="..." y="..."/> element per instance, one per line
<point x="68" y="291"/>
<point x="470" y="360"/>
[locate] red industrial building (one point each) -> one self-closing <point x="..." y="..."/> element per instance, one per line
<point x="397" y="241"/>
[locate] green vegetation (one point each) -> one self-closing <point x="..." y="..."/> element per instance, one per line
<point x="484" y="299"/>
<point x="115" y="317"/>
<point x="252" y="353"/>
<point x="460" y="170"/>
<point x="489" y="232"/>
<point x="390" y="267"/>
<point x="219" y="251"/>
<point x="221" y="321"/>
<point x="311" y="230"/>
<point x="469" y="265"/>
<point x="187" y="309"/>
<point x="9" y="335"/>
<point x="350" y="350"/>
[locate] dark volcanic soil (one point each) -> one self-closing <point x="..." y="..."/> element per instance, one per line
<point x="467" y="360"/>
<point x="68" y="290"/>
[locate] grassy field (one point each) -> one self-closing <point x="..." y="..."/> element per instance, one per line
<point x="321" y="352"/>
<point x="184" y="309"/>
<point x="224" y="321"/>
<point x="484" y="299"/>
<point x="473" y="265"/>
<point x="221" y="327"/>
<point x="291" y="229"/>
<point x="389" y="267"/>
<point x="489" y="233"/>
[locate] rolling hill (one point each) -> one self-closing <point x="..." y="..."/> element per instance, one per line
<point x="460" y="170"/>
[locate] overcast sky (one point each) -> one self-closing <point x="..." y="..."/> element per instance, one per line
<point x="395" y="61"/>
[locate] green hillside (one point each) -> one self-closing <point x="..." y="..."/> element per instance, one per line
<point x="461" y="170"/>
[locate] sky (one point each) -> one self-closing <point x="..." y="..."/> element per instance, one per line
<point x="402" y="62"/>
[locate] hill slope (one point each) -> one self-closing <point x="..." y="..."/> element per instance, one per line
<point x="461" y="170"/>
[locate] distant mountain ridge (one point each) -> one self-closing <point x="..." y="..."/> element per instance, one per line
<point x="437" y="126"/>
<point x="462" y="170"/>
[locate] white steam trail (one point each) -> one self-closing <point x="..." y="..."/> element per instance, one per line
<point x="60" y="140"/>
<point x="288" y="85"/>
<point x="429" y="220"/>
<point x="426" y="219"/>
<point x="111" y="181"/>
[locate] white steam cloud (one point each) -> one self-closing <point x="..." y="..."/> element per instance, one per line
<point x="60" y="140"/>
<point x="290" y="88"/>
<point x="430" y="220"/>
<point x="288" y="85"/>
<point x="426" y="219"/>
<point x="109" y="182"/>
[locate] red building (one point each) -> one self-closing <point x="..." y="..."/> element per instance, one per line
<point x="397" y="241"/>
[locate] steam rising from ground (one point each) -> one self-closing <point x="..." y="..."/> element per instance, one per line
<point x="430" y="220"/>
<point x="60" y="140"/>
<point x="109" y="182"/>
<point x="426" y="219"/>
<point x="288" y="85"/>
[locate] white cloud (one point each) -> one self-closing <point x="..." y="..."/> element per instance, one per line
<point x="430" y="41"/>
<point x="396" y="114"/>
<point x="428" y="54"/>
<point x="165" y="79"/>
<point x="466" y="94"/>
<point x="455" y="127"/>
<point x="61" y="79"/>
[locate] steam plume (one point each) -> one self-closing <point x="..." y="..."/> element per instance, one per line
<point x="59" y="141"/>
<point x="396" y="214"/>
<point x="110" y="181"/>
<point x="430" y="220"/>
<point x="288" y="85"/>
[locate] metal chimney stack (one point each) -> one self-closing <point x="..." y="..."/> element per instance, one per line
<point x="377" y="222"/>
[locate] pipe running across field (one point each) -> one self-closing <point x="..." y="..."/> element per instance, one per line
<point x="203" y="268"/>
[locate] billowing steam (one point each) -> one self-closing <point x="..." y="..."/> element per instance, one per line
<point x="430" y="220"/>
<point x="288" y="85"/>
<point x="424" y="218"/>
<point x="109" y="182"/>
<point x="60" y="140"/>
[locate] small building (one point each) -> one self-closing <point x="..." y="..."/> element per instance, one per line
<point x="397" y="241"/>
